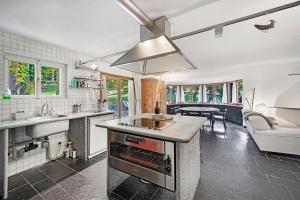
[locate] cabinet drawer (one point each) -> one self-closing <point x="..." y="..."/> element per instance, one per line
<point x="103" y="118"/>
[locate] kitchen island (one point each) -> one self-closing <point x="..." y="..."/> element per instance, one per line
<point x="164" y="153"/>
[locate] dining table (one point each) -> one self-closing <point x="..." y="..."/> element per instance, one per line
<point x="202" y="111"/>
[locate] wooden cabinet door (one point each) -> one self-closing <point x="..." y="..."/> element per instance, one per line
<point x="153" y="90"/>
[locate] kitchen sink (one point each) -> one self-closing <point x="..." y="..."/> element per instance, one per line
<point x="47" y="117"/>
<point x="58" y="116"/>
<point x="46" y="128"/>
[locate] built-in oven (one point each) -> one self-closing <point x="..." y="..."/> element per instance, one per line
<point x="151" y="160"/>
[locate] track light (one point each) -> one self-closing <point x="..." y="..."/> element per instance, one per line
<point x="267" y="27"/>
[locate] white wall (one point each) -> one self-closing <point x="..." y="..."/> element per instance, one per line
<point x="11" y="43"/>
<point x="275" y="88"/>
<point x="273" y="85"/>
<point x="270" y="79"/>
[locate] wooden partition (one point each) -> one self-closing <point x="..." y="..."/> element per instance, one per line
<point x="152" y="91"/>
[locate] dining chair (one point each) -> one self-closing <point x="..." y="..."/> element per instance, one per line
<point x="220" y="116"/>
<point x="208" y="116"/>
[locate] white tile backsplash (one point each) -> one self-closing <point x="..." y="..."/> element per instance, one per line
<point x="11" y="43"/>
<point x="17" y="44"/>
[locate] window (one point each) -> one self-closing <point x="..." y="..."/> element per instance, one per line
<point x="27" y="77"/>
<point x="191" y="93"/>
<point x="210" y="93"/>
<point x="196" y="95"/>
<point x="230" y="86"/>
<point x="21" y="78"/>
<point x="240" y="86"/>
<point x="50" y="81"/>
<point x="117" y="95"/>
<point x="218" y="93"/>
<point x="171" y="94"/>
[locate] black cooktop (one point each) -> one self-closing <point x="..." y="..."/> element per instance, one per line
<point x="146" y="123"/>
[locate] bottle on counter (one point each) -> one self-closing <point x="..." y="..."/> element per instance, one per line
<point x="157" y="109"/>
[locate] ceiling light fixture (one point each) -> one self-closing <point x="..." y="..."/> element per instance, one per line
<point x="293" y="74"/>
<point x="267" y="27"/>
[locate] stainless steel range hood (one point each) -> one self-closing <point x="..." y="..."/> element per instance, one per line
<point x="155" y="53"/>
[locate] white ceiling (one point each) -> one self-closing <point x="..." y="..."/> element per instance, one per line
<point x="101" y="27"/>
<point x="170" y="8"/>
<point x="96" y="27"/>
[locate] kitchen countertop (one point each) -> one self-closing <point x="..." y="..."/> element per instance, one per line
<point x="183" y="130"/>
<point x="32" y="121"/>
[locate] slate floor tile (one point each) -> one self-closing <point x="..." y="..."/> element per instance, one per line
<point x="57" y="172"/>
<point x="284" y="182"/>
<point x="273" y="172"/>
<point x="113" y="196"/>
<point x="269" y="191"/>
<point x="258" y="175"/>
<point x="34" y="175"/>
<point x="44" y="185"/>
<point x="56" y="193"/>
<point x="289" y="159"/>
<point x="146" y="191"/>
<point x="295" y="192"/>
<point x="128" y="188"/>
<point x="298" y="176"/>
<point x="164" y="194"/>
<point x="277" y="164"/>
<point x="74" y="183"/>
<point x="15" y="181"/>
<point x="21" y="193"/>
<point x="37" y="197"/>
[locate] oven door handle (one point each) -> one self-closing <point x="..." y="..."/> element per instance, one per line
<point x="133" y="139"/>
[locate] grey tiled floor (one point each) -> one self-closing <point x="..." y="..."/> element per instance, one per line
<point x="233" y="169"/>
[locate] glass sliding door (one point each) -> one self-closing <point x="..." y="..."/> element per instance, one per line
<point x="117" y="95"/>
<point x="112" y="94"/>
<point x="124" y="97"/>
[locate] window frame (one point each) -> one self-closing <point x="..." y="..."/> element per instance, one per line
<point x="37" y="70"/>
<point x="214" y="85"/>
<point x="174" y="89"/>
<point x="6" y="74"/>
<point x="119" y="93"/>
<point x="58" y="66"/>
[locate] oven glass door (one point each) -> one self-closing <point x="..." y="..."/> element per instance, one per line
<point x="144" y="152"/>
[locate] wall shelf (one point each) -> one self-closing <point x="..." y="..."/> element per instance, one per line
<point x="87" y="79"/>
<point x="97" y="88"/>
<point x="85" y="68"/>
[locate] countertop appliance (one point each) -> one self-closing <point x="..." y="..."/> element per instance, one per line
<point x="151" y="160"/>
<point x="147" y="123"/>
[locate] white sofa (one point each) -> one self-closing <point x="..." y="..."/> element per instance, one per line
<point x="272" y="137"/>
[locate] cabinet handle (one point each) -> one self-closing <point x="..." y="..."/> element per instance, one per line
<point x="133" y="140"/>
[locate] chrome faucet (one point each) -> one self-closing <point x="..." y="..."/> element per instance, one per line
<point x="42" y="110"/>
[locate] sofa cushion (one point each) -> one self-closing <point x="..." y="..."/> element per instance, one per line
<point x="258" y="122"/>
<point x="281" y="132"/>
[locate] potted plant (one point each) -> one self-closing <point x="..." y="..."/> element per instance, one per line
<point x="102" y="105"/>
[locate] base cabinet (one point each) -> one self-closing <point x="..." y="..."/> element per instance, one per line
<point x="97" y="136"/>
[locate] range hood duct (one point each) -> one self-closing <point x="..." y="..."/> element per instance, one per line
<point x="155" y="53"/>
